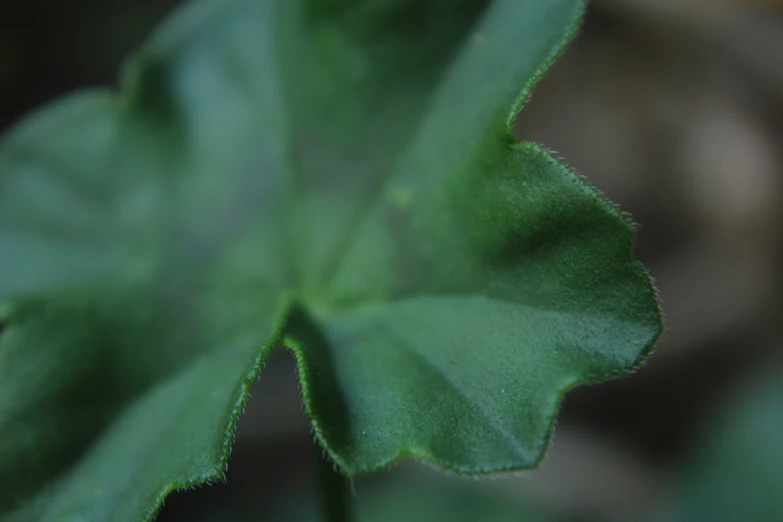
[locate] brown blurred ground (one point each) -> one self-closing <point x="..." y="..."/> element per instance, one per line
<point x="673" y="108"/>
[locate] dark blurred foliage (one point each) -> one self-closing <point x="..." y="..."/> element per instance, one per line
<point x="49" y="47"/>
<point x="674" y="109"/>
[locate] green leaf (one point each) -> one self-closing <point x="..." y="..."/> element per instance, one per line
<point x="339" y="176"/>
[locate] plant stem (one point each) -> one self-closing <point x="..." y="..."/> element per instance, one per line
<point x="335" y="505"/>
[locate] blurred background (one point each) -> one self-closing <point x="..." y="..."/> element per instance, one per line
<point x="674" y="109"/>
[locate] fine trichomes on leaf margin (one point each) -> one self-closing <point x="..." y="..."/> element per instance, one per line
<point x="337" y="176"/>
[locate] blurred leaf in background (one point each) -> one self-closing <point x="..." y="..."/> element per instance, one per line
<point x="420" y="497"/>
<point x="735" y="471"/>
